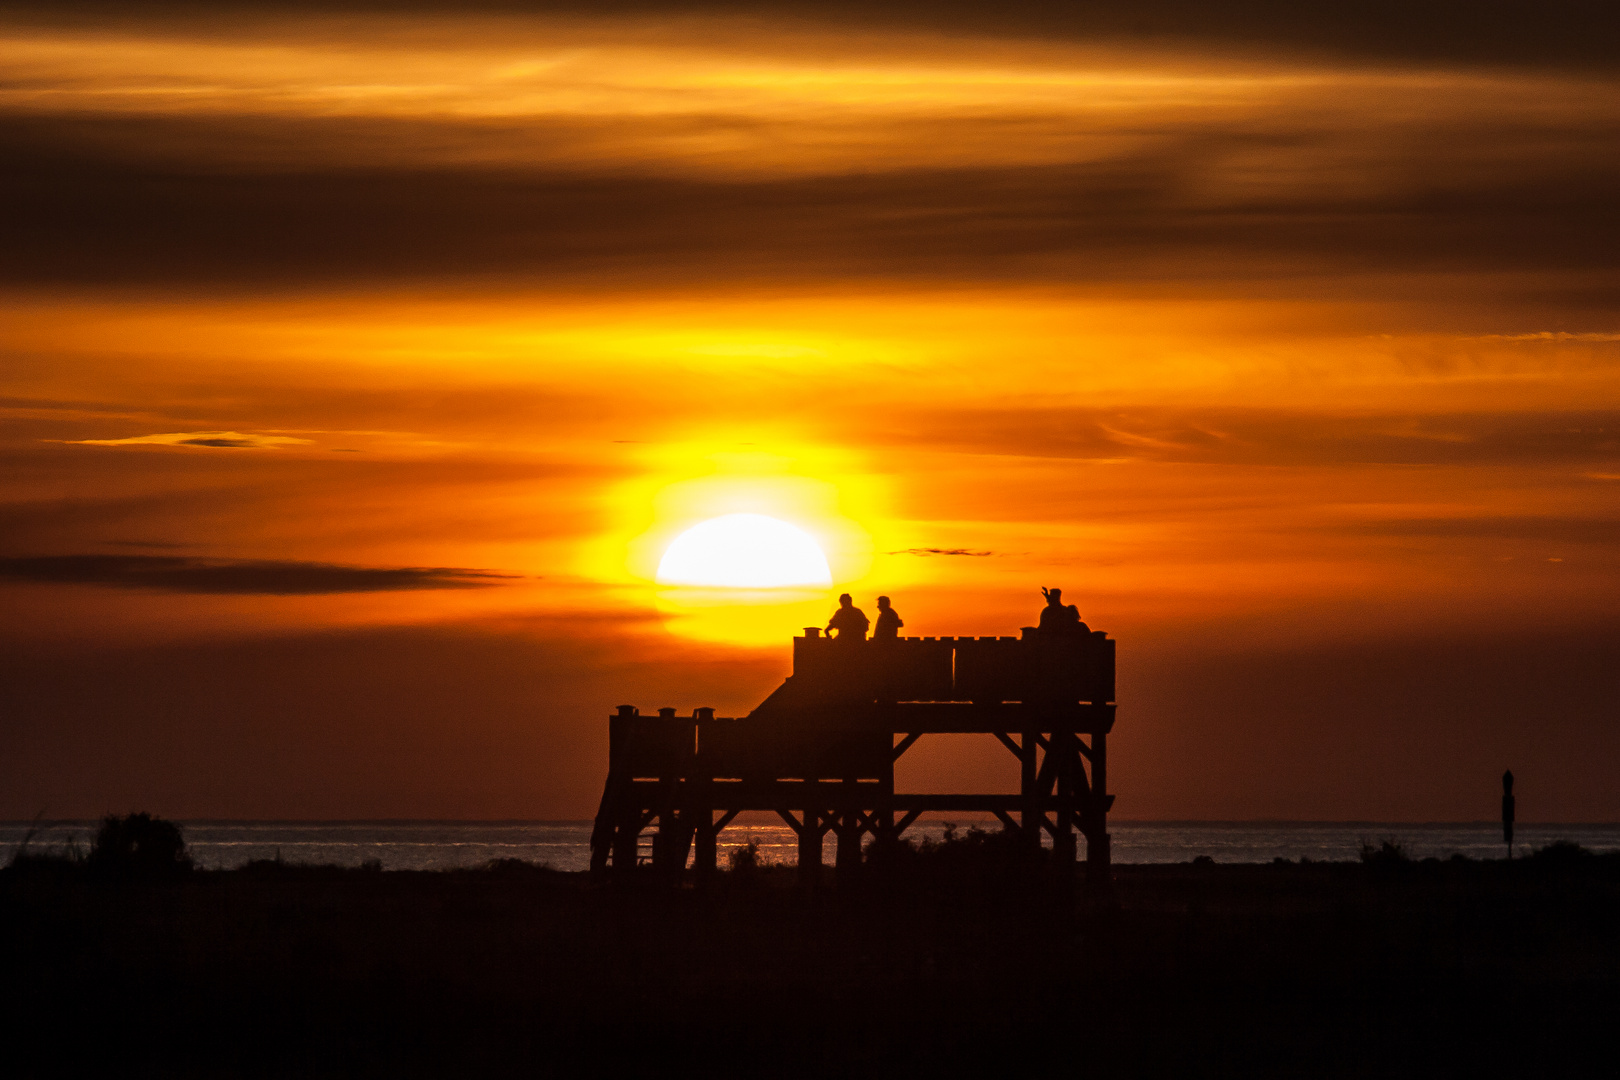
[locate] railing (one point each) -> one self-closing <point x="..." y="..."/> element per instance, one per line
<point x="1036" y="667"/>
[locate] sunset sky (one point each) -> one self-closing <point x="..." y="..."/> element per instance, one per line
<point x="358" y="364"/>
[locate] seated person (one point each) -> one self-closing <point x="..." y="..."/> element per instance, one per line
<point x="849" y="620"/>
<point x="888" y="621"/>
<point x="1059" y="619"/>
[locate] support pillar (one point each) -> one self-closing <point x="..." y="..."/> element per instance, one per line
<point x="1098" y="843"/>
<point x="667" y="839"/>
<point x="706" y="856"/>
<point x="621" y="819"/>
<point x="884" y="833"/>
<point x="626" y="834"/>
<point x="1067" y="746"/>
<point x="810" y="838"/>
<point x="700" y="809"/>
<point x="847" y="860"/>
<point x="1029" y="789"/>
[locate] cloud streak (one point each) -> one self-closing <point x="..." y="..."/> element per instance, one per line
<point x="257" y="577"/>
<point x="1275" y="437"/>
<point x="232" y="440"/>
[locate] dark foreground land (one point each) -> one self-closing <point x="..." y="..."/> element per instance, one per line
<point x="1438" y="969"/>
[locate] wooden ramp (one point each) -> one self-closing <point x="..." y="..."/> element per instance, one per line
<point x="820" y="751"/>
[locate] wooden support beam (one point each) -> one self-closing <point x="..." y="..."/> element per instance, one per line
<point x="905" y="744"/>
<point x="986" y="718"/>
<point x="987" y="804"/>
<point x="1007" y="820"/>
<point x="1063" y="844"/>
<point x="883" y="813"/>
<point x="1047" y="780"/>
<point x="1099" y="767"/>
<point x="697" y="818"/>
<point x="1006" y="740"/>
<point x="810" y="849"/>
<point x="706" y="853"/>
<point x="1030" y="811"/>
<point x="793" y="822"/>
<point x="609" y="813"/>
<point x="1099" y="854"/>
<point x="906" y="822"/>
<point x="626" y="836"/>
<point x="867" y="821"/>
<point x="848" y="856"/>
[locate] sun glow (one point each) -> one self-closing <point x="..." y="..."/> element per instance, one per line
<point x="744" y="551"/>
<point x="742" y="541"/>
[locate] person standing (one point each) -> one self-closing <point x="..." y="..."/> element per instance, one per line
<point x="888" y="622"/>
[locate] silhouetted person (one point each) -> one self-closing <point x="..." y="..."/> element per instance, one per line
<point x="850" y="621"/>
<point x="1059" y="619"/>
<point x="1507" y="811"/>
<point x="888" y="623"/>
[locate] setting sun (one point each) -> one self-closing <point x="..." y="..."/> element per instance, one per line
<point x="744" y="551"/>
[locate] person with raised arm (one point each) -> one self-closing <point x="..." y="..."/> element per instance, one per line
<point x="1059" y="619"/>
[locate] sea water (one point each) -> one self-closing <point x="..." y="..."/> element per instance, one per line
<point x="565" y="845"/>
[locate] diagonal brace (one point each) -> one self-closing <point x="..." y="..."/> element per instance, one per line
<point x="1007" y="741"/>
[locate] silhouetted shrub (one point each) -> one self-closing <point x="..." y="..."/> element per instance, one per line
<point x="890" y="852"/>
<point x="138" y="845"/>
<point x="979" y="856"/>
<point x="1562" y="854"/>
<point x="1388" y="852"/>
<point x="745" y="859"/>
<point x="1203" y="860"/>
<point x="517" y="866"/>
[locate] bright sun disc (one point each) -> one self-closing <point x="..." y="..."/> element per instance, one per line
<point x="744" y="551"/>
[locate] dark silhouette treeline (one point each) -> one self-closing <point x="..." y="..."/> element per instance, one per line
<point x="942" y="961"/>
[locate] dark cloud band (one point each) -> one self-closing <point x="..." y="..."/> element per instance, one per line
<point x="1568" y="34"/>
<point x="1176" y="208"/>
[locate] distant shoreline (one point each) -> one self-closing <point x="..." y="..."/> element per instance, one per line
<point x="427" y="844"/>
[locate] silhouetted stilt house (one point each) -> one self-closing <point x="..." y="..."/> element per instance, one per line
<point x="820" y="751"/>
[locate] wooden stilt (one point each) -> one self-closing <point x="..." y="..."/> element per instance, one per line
<point x="847" y="858"/>
<point x="1065" y="744"/>
<point x="1030" y="815"/>
<point x="1098" y="843"/>
<point x="810" y="837"/>
<point x="884" y="832"/>
<point x="706" y="856"/>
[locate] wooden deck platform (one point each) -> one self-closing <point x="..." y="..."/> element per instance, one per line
<point x="820" y="750"/>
